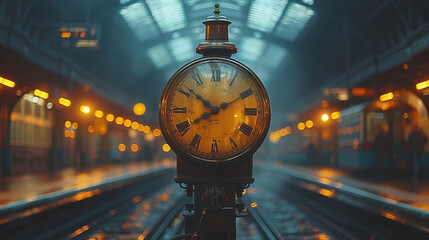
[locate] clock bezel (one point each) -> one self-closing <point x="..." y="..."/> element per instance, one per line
<point x="186" y="153"/>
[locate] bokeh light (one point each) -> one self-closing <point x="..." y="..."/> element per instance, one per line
<point x="166" y="148"/>
<point x="122" y="147"/>
<point x="325" y="117"/>
<point x="139" y="109"/>
<point x="85" y="109"/>
<point x="156" y="132"/>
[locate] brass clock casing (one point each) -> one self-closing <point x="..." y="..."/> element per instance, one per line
<point x="214" y="110"/>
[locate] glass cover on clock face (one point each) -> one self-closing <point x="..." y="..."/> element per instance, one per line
<point x="215" y="110"/>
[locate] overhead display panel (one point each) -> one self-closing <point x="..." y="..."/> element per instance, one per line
<point x="80" y="35"/>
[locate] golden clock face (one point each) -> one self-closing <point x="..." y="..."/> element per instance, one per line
<point x="214" y="110"/>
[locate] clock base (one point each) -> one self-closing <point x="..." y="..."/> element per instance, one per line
<point x="189" y="173"/>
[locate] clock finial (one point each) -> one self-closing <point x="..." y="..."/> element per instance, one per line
<point x="216" y="11"/>
<point x="216" y="42"/>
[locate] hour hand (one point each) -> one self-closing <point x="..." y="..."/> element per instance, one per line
<point x="206" y="103"/>
<point x="205" y="115"/>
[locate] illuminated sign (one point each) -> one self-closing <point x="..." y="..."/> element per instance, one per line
<point x="80" y="36"/>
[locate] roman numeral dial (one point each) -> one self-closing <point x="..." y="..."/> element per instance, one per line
<point x="214" y="110"/>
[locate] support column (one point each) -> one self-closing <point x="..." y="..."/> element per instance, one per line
<point x="82" y="148"/>
<point x="214" y="213"/>
<point x="104" y="142"/>
<point x="5" y="154"/>
<point x="57" y="150"/>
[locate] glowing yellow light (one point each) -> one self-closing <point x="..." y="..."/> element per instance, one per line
<point x="166" y="148"/>
<point x="134" y="147"/>
<point x="65" y="34"/>
<point x="64" y="102"/>
<point x="98" y="113"/>
<point x="141" y="126"/>
<point x="405" y="115"/>
<point x="127" y="123"/>
<point x="67" y="133"/>
<point x="326" y="192"/>
<point x="335" y="115"/>
<point x="273" y="138"/>
<point x="75" y="125"/>
<point x="67" y="124"/>
<point x="41" y="94"/>
<point x="253" y="204"/>
<point x="309" y="124"/>
<point x="135" y="125"/>
<point x="122" y="147"/>
<point x="72" y="134"/>
<point x="139" y="109"/>
<point x="386" y="97"/>
<point x="156" y="132"/>
<point x="422" y="85"/>
<point x="119" y="120"/>
<point x="325" y="117"/>
<point x="7" y="82"/>
<point x="90" y="128"/>
<point x="85" y="109"/>
<point x="110" y="117"/>
<point x="146" y="129"/>
<point x="385" y="106"/>
<point x="283" y="132"/>
<point x="355" y="144"/>
<point x="301" y="126"/>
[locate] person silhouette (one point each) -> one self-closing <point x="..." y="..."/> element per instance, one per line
<point x="380" y="150"/>
<point x="417" y="141"/>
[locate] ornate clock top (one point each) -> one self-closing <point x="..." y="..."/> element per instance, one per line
<point x="216" y="42"/>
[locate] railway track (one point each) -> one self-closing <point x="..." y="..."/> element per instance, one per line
<point x="151" y="207"/>
<point x="60" y="215"/>
<point x="338" y="211"/>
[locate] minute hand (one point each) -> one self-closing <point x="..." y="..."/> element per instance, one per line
<point x="225" y="104"/>
<point x="206" y="103"/>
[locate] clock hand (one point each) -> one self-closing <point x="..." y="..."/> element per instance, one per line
<point x="225" y="104"/>
<point x="205" y="115"/>
<point x="206" y="103"/>
<point x="213" y="111"/>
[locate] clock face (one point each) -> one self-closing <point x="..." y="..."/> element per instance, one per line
<point x="214" y="110"/>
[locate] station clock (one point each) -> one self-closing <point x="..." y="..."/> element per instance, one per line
<point x="214" y="113"/>
<point x="214" y="110"/>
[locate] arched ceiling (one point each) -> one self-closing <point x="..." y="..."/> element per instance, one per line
<point x="295" y="46"/>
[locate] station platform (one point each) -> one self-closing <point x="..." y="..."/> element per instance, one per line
<point x="21" y="189"/>
<point x="404" y="193"/>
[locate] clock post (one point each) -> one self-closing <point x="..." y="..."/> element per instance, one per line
<point x="214" y="113"/>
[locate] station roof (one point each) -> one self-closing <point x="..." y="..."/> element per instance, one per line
<point x="295" y="46"/>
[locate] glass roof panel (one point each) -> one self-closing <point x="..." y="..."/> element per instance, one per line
<point x="294" y="20"/>
<point x="159" y="56"/>
<point x="169" y="14"/>
<point x="264" y="15"/>
<point x="182" y="49"/>
<point x="251" y="48"/>
<point x="139" y="20"/>
<point x="274" y="55"/>
<point x="309" y="2"/>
